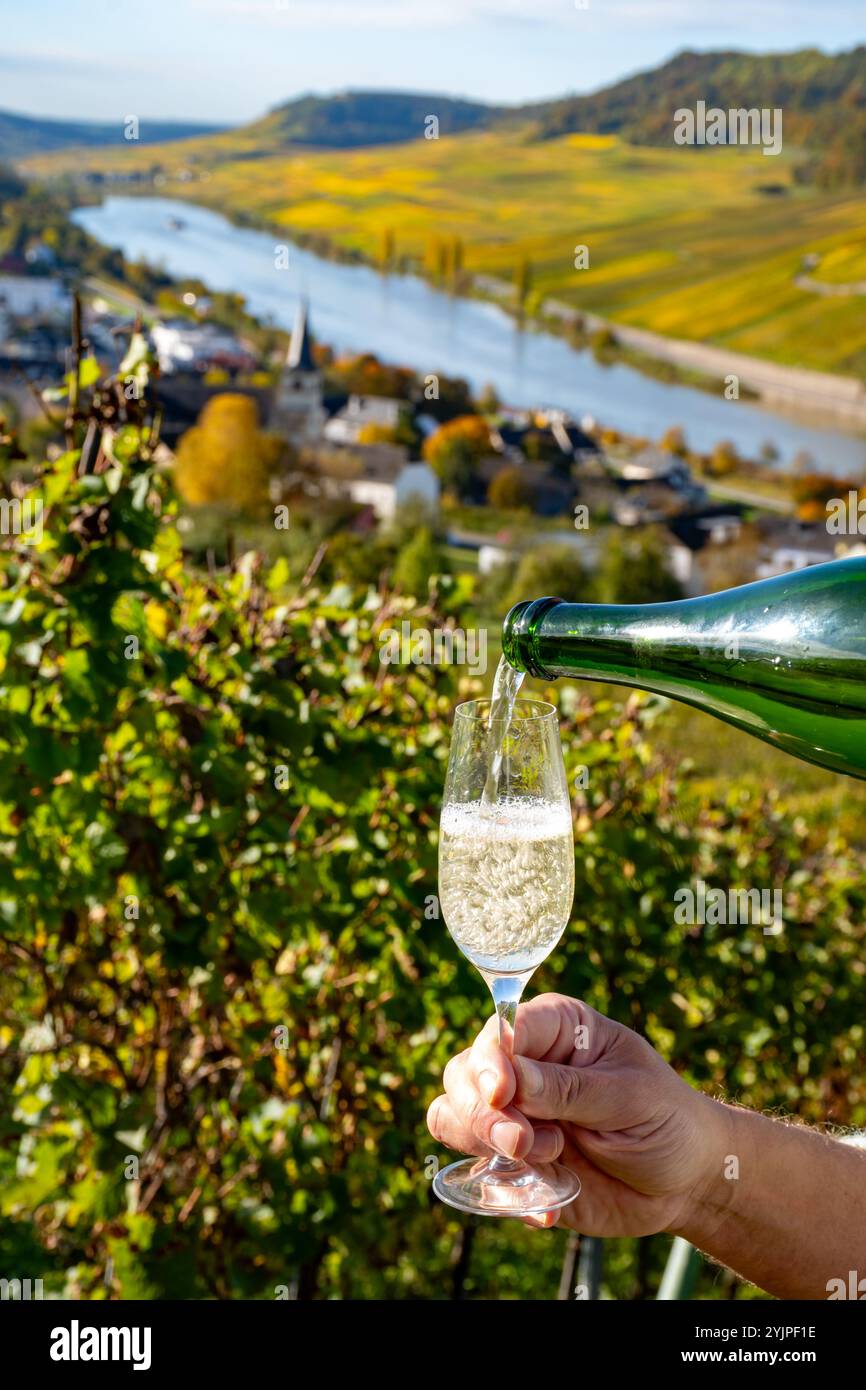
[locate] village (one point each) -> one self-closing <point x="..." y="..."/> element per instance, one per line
<point x="492" y="482"/>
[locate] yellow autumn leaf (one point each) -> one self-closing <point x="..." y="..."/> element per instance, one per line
<point x="157" y="619"/>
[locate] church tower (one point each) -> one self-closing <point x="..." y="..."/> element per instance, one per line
<point x="297" y="412"/>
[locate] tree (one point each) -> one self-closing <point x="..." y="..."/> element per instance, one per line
<point x="604" y="344"/>
<point x="812" y="492"/>
<point x="389" y="248"/>
<point x="437" y="257"/>
<point x="489" y="402"/>
<point x="723" y="460"/>
<point x="404" y="432"/>
<point x="11" y="186"/>
<point x="226" y="457"/>
<point x="417" y="563"/>
<point x="456" y="447"/>
<point x="634" y="569"/>
<point x="509" y="490"/>
<point x="523" y="281"/>
<point x="820" y="487"/>
<point x="673" y="441"/>
<point x="373" y="433"/>
<point x="554" y="569"/>
<point x="540" y="446"/>
<point x="358" y="559"/>
<point x="456" y="258"/>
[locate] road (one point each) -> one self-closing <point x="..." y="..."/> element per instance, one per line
<point x="728" y="492"/>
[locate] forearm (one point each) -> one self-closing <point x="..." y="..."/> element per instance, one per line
<point x="782" y="1205"/>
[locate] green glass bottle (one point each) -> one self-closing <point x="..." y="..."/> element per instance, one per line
<point x="784" y="658"/>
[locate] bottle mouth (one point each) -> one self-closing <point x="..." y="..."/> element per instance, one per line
<point x="519" y="635"/>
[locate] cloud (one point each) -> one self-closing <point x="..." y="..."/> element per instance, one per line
<point x="83" y="64"/>
<point x="689" y="16"/>
<point x="389" y="14"/>
<point x="763" y="15"/>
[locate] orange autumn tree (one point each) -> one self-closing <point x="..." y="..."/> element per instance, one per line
<point x="456" y="448"/>
<point x="226" y="457"/>
<point x="813" y="493"/>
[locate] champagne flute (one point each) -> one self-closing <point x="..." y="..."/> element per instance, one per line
<point x="506" y="888"/>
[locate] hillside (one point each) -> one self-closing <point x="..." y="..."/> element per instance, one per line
<point x="349" y="120"/>
<point x="823" y="98"/>
<point x="708" y="245"/>
<point x="22" y="136"/>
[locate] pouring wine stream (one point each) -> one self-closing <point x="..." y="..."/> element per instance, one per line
<point x="506" y="993"/>
<point x="506" y="686"/>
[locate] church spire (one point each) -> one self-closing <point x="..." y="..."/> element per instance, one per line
<point x="297" y="409"/>
<point x="300" y="354"/>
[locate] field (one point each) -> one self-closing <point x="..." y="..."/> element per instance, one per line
<point x="696" y="244"/>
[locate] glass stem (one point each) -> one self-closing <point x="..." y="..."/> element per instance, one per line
<point x="506" y="991"/>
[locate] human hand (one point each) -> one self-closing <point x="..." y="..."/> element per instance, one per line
<point x="596" y="1096"/>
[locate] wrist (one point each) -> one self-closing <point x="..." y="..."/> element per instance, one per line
<point x="713" y="1195"/>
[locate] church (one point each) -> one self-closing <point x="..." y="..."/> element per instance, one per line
<point x="297" y="408"/>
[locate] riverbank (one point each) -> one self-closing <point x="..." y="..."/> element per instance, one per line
<point x="819" y="395"/>
<point x="820" y="398"/>
<point x="692" y="249"/>
<point x="404" y="319"/>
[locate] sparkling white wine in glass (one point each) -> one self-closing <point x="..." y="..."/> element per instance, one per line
<point x="506" y="880"/>
<point x="506" y="885"/>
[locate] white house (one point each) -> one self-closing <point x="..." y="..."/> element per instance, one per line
<point x="588" y="547"/>
<point x="34" y="296"/>
<point x="491" y="556"/>
<point x="360" y="411"/>
<point x="418" y="483"/>
<point x="786" y="559"/>
<point x="789" y="545"/>
<point x="180" y="344"/>
<point x="388" y="483"/>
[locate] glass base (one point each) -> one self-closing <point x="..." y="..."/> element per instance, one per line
<point x="505" y="1187"/>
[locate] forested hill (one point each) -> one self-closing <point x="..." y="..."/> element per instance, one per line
<point x="21" y="136"/>
<point x="823" y="99"/>
<point x="349" y="120"/>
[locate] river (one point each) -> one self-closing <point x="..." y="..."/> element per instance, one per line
<point x="402" y="319"/>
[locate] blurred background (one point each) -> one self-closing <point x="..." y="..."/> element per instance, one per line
<point x="284" y="372"/>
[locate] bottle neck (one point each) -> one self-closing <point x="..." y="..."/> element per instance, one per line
<point x="548" y="637"/>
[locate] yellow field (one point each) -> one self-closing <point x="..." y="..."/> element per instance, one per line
<point x="697" y="244"/>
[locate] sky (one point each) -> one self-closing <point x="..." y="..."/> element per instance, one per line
<point x="228" y="61"/>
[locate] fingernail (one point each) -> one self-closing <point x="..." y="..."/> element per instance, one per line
<point x="531" y="1077"/>
<point x="488" y="1081"/>
<point x="506" y="1137"/>
<point x="547" y="1143"/>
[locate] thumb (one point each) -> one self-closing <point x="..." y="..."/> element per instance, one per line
<point x="554" y="1091"/>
